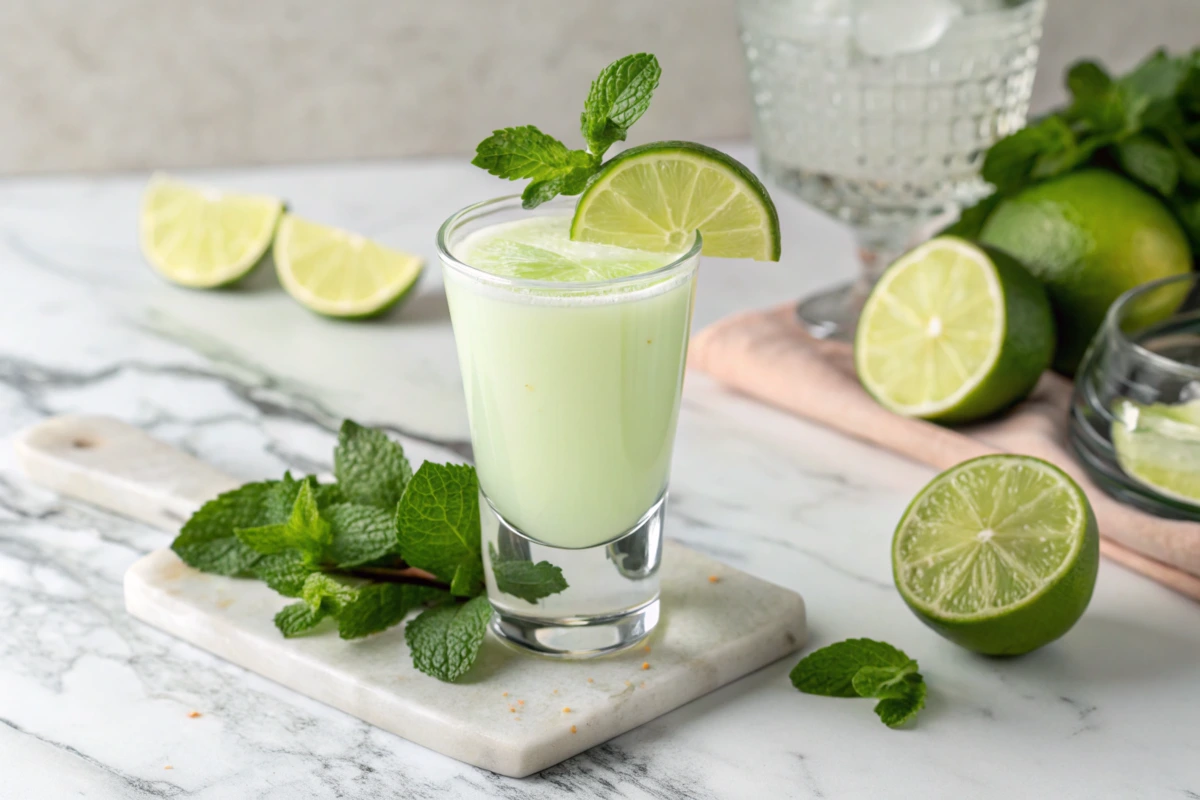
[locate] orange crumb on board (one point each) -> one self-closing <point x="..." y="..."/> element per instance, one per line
<point x="566" y="709"/>
<point x="555" y="691"/>
<point x="168" y="766"/>
<point x="516" y="719"/>
<point x="713" y="579"/>
<point x="572" y="729"/>
<point x="645" y="665"/>
<point x="629" y="683"/>
<point x="520" y="702"/>
<point x="590" y="680"/>
<point x="512" y="710"/>
<point x="504" y="694"/>
<point x="194" y="714"/>
<point x="646" y="648"/>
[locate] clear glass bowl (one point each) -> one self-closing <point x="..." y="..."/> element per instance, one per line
<point x="1145" y="355"/>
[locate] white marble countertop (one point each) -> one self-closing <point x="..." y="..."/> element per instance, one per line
<point x="96" y="704"/>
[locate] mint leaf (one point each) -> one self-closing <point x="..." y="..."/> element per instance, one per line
<point x="1097" y="99"/>
<point x="617" y="99"/>
<point x="970" y="222"/>
<point x="207" y="540"/>
<point x="865" y="668"/>
<point x="1150" y="163"/>
<point x="295" y="619"/>
<point x="361" y="534"/>
<point x="526" y="152"/>
<point x="524" y="579"/>
<point x="370" y="468"/>
<point x="571" y="183"/>
<point x="830" y="671"/>
<point x="1010" y="162"/>
<point x="895" y="711"/>
<point x="885" y="682"/>
<point x="281" y="498"/>
<point x="438" y="522"/>
<point x="324" y="591"/>
<point x="445" y="640"/>
<point x="284" y="572"/>
<point x="304" y="530"/>
<point x="378" y="606"/>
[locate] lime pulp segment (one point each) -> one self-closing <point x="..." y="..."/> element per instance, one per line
<point x="341" y="274"/>
<point x="931" y="329"/>
<point x="1159" y="445"/>
<point x="655" y="197"/>
<point x="540" y="248"/>
<point x="203" y="238"/>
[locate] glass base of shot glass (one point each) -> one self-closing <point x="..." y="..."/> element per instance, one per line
<point x="611" y="600"/>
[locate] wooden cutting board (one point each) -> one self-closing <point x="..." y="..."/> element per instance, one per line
<point x="510" y="712"/>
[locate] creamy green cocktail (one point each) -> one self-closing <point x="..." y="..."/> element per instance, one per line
<point x="572" y="358"/>
<point x="571" y="320"/>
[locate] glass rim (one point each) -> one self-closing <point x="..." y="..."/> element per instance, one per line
<point x="450" y="260"/>
<point x="1112" y="324"/>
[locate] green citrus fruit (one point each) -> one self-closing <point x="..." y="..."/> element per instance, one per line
<point x="953" y="332"/>
<point x="337" y="273"/>
<point x="1088" y="237"/>
<point x="655" y="197"/>
<point x="998" y="554"/>
<point x="203" y="238"/>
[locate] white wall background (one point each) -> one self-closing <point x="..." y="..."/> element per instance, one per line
<point x="134" y="84"/>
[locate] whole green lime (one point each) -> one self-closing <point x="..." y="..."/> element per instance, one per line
<point x="1088" y="237"/>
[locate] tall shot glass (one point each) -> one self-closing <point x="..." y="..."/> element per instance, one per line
<point x="572" y="393"/>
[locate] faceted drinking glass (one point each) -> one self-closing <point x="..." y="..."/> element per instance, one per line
<point x="879" y="112"/>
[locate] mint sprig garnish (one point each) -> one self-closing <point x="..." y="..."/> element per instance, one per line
<point x="865" y="668"/>
<point x="364" y="552"/>
<point x="616" y="100"/>
<point x="1144" y="124"/>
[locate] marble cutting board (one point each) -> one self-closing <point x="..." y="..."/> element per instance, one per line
<point x="509" y="714"/>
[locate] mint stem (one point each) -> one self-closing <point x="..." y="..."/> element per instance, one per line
<point x="390" y="575"/>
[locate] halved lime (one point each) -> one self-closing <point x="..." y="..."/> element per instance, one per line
<point x="655" y="197"/>
<point x="998" y="554"/>
<point x="953" y="332"/>
<point x="1159" y="445"/>
<point x="204" y="238"/>
<point x="341" y="274"/>
<point x="540" y="248"/>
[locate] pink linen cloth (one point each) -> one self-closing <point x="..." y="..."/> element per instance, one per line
<point x="768" y="356"/>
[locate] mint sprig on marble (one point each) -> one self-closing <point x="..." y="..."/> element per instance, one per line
<point x="617" y="99"/>
<point x="367" y="551"/>
<point x="865" y="668"/>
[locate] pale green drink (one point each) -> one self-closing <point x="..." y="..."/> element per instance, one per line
<point x="572" y="358"/>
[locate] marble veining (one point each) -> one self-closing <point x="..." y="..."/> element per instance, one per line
<point x="96" y="704"/>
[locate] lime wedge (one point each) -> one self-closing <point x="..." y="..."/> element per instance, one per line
<point x="540" y="248"/>
<point x="204" y="238"/>
<point x="953" y="332"/>
<point x="998" y="554"/>
<point x="341" y="274"/>
<point x="1159" y="445"/>
<point x="655" y="197"/>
